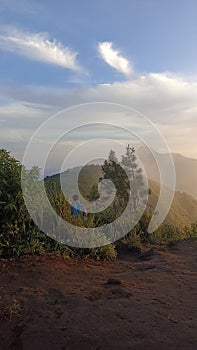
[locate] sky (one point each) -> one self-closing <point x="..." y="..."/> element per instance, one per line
<point x="135" y="53"/>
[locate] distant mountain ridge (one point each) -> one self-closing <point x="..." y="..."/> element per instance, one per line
<point x="185" y="168"/>
<point x="183" y="210"/>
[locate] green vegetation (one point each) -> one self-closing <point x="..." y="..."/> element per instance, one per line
<point x="11" y="309"/>
<point x="182" y="213"/>
<point x="19" y="235"/>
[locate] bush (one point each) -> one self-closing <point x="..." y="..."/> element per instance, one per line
<point x="18" y="233"/>
<point x="191" y="232"/>
<point x="166" y="234"/>
<point x="107" y="252"/>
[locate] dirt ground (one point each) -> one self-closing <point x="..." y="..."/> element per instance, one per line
<point x="146" y="301"/>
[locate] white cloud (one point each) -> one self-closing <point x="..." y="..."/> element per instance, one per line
<point x="113" y="57"/>
<point x="38" y="47"/>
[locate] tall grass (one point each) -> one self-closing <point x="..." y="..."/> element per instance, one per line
<point x="19" y="235"/>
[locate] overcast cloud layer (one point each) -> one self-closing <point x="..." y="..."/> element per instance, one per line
<point x="168" y="101"/>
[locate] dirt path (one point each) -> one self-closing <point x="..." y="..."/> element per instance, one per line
<point x="47" y="302"/>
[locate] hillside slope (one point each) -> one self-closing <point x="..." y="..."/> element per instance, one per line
<point x="185" y="168"/>
<point x="183" y="210"/>
<point x="88" y="177"/>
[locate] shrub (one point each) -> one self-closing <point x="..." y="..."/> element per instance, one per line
<point x="18" y="233"/>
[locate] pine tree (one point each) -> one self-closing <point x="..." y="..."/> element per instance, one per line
<point x="135" y="177"/>
<point x="113" y="171"/>
<point x="126" y="176"/>
<point x="112" y="157"/>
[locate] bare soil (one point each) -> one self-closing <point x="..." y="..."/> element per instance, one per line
<point x="137" y="302"/>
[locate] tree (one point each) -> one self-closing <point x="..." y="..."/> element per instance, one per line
<point x="126" y="176"/>
<point x="135" y="177"/>
<point x="10" y="190"/>
<point x="112" y="157"/>
<point x="16" y="224"/>
<point x="112" y="170"/>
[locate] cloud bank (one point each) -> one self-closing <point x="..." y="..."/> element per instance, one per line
<point x="114" y="59"/>
<point x="169" y="101"/>
<point x="38" y="47"/>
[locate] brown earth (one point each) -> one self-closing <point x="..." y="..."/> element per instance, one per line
<point x="137" y="302"/>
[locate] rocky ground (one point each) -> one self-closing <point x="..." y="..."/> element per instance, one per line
<point x="146" y="301"/>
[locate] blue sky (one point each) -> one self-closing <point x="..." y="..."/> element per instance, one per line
<point x="54" y="54"/>
<point x="155" y="35"/>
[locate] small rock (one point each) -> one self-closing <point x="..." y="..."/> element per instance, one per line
<point x="114" y="281"/>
